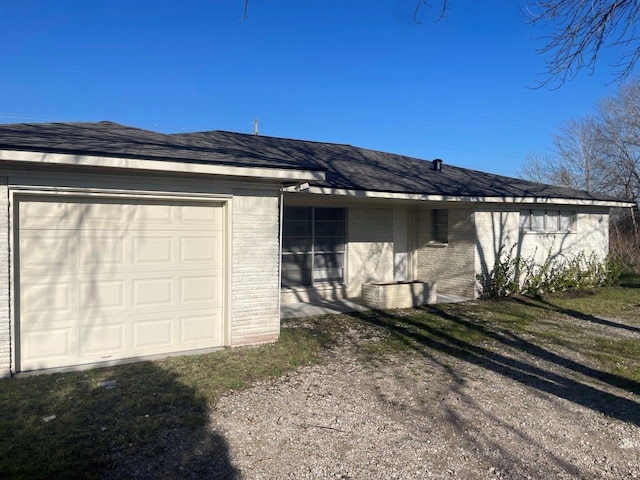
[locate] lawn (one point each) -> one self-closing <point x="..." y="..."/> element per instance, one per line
<point x="75" y="425"/>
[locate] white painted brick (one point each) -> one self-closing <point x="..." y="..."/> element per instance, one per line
<point x="502" y="228"/>
<point x="450" y="268"/>
<point x="370" y="247"/>
<point x="5" y="320"/>
<point x="255" y="315"/>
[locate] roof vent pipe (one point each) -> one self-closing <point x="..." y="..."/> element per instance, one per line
<point x="437" y="165"/>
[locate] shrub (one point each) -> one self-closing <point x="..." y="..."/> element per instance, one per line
<point x="515" y="275"/>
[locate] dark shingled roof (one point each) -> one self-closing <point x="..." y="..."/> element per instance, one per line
<point x="346" y="167"/>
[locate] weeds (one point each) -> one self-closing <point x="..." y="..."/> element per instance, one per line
<point x="516" y="275"/>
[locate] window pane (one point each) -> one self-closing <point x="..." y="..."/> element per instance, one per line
<point x="329" y="244"/>
<point x="296" y="244"/>
<point x="553" y="220"/>
<point x="328" y="274"/>
<point x="297" y="213"/>
<point x="296" y="229"/>
<point x="525" y="220"/>
<point x="312" y="233"/>
<point x="328" y="260"/>
<point x="440" y="217"/>
<point x="440" y="226"/>
<point x="567" y="221"/>
<point x="537" y="220"/>
<point x="296" y="270"/>
<point x="334" y="214"/>
<point x="329" y="229"/>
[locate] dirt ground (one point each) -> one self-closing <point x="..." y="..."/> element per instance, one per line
<point x="500" y="411"/>
<point x="508" y="414"/>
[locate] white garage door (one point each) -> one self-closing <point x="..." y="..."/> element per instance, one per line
<point x="109" y="279"/>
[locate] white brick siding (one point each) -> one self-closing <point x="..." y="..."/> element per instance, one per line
<point x="493" y="230"/>
<point x="370" y="247"/>
<point x="591" y="236"/>
<point x="255" y="315"/>
<point x="502" y="228"/>
<point x="5" y="318"/>
<point x="449" y="267"/>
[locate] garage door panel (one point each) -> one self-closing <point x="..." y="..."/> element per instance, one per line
<point x="157" y="215"/>
<point x="200" y="249"/>
<point x="41" y="299"/>
<point x="153" y="250"/>
<point x="104" y="340"/>
<point x="193" y="215"/>
<point x="152" y="292"/>
<point x="42" y="214"/>
<point x="94" y="288"/>
<point x="101" y="295"/>
<point x="201" y="288"/>
<point x="98" y="250"/>
<point x="198" y="330"/>
<point x="153" y="333"/>
<point x="40" y="346"/>
<point x="44" y="252"/>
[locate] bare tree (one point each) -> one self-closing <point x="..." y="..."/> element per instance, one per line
<point x="601" y="153"/>
<point x="577" y="160"/>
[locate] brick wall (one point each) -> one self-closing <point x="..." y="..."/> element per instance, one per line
<point x="5" y="319"/>
<point x="255" y="315"/>
<point x="494" y="229"/>
<point x="370" y="247"/>
<point x="450" y="267"/>
<point x="502" y="228"/>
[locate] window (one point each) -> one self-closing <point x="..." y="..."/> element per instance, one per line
<point x="547" y="221"/>
<point x="440" y="226"/>
<point x="313" y="245"/>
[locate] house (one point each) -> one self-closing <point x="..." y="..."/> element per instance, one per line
<point x="119" y="243"/>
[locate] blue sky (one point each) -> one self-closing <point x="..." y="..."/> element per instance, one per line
<point x="348" y="71"/>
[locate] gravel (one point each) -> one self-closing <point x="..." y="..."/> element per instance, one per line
<point x="493" y="414"/>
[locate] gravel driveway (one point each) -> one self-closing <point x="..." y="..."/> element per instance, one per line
<point x="502" y="411"/>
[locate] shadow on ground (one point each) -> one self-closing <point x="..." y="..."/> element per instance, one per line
<point x="148" y="425"/>
<point x="564" y="378"/>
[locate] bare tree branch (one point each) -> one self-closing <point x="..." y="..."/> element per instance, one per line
<point x="441" y="15"/>
<point x="580" y="30"/>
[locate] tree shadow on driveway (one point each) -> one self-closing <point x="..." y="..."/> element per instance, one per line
<point x="565" y="378"/>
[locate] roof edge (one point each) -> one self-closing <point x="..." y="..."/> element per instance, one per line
<point x="34" y="157"/>
<point x="527" y="200"/>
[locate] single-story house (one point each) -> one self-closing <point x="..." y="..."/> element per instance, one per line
<point x="118" y="243"/>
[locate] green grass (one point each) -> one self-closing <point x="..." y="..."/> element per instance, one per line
<point x="94" y="426"/>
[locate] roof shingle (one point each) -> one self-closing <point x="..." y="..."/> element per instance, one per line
<point x="346" y="167"/>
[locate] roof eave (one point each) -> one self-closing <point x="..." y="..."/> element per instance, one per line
<point x="525" y="200"/>
<point x="144" y="164"/>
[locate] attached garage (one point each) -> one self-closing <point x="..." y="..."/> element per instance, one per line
<point x="107" y="278"/>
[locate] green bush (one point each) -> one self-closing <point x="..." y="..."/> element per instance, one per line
<point x="516" y="275"/>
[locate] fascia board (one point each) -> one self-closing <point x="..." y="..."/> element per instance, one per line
<point x="159" y="165"/>
<point x="461" y="198"/>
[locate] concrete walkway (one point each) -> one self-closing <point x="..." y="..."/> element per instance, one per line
<point x="322" y="307"/>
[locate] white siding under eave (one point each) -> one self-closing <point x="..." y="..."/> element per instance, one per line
<point x="255" y="262"/>
<point x="591" y="237"/>
<point x="370" y="247"/>
<point x="497" y="229"/>
<point x="5" y="319"/>
<point x="494" y="230"/>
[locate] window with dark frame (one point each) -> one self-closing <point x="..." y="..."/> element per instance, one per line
<point x="440" y="226"/>
<point x="547" y="221"/>
<point x="313" y="245"/>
